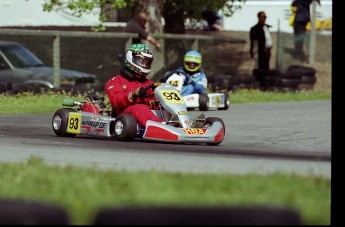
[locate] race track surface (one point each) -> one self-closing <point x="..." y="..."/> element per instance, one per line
<point x="261" y="138"/>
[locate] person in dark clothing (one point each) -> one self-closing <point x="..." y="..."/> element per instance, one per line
<point x="213" y="20"/>
<point x="302" y="17"/>
<point x="138" y="25"/>
<point x="261" y="43"/>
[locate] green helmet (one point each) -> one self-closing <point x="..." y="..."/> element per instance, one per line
<point x="138" y="59"/>
<point x="192" y="61"/>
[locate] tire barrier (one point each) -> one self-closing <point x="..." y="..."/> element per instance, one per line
<point x="20" y="212"/>
<point x="197" y="216"/>
<point x="294" y="78"/>
<point x="24" y="212"/>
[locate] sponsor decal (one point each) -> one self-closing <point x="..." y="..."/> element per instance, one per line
<point x="182" y="113"/>
<point x="193" y="131"/>
<point x="190" y="98"/>
<point x="103" y="120"/>
<point x="93" y="124"/>
<point x="124" y="87"/>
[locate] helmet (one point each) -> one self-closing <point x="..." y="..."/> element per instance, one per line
<point x="138" y="59"/>
<point x="192" y="61"/>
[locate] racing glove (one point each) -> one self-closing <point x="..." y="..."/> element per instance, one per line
<point x="139" y="92"/>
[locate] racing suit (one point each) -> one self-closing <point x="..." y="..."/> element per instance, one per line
<point x="196" y="84"/>
<point x="118" y="89"/>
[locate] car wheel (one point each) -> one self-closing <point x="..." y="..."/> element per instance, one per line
<point x="125" y="127"/>
<point x="60" y="120"/>
<point x="226" y="101"/>
<point x="210" y="121"/>
<point x="203" y="102"/>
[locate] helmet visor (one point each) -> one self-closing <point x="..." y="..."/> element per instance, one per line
<point x="191" y="65"/>
<point x="142" y="61"/>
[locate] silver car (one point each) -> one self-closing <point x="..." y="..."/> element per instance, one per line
<point x="19" y="66"/>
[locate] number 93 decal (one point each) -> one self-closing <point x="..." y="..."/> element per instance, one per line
<point x="172" y="96"/>
<point x="74" y="122"/>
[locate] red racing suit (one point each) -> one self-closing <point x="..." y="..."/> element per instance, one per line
<point x="118" y="89"/>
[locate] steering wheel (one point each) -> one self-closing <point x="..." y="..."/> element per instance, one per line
<point x="143" y="90"/>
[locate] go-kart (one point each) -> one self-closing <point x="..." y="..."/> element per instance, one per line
<point x="93" y="117"/>
<point x="204" y="102"/>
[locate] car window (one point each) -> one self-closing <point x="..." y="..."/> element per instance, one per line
<point x="20" y="57"/>
<point x="3" y="64"/>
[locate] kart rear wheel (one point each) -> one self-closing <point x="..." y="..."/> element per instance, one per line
<point x="226" y="101"/>
<point x="125" y="127"/>
<point x="60" y="120"/>
<point x="203" y="102"/>
<point x="209" y="122"/>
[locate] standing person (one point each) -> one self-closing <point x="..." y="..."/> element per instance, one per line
<point x="124" y="89"/>
<point x="261" y="40"/>
<point x="213" y="20"/>
<point x="302" y="17"/>
<point x="196" y="80"/>
<point x="138" y="25"/>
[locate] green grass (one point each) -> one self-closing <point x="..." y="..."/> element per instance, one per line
<point x="82" y="192"/>
<point x="28" y="103"/>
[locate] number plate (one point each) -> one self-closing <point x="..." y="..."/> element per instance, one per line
<point x="172" y="96"/>
<point x="74" y="122"/>
<point x="198" y="131"/>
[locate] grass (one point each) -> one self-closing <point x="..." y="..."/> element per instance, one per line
<point x="29" y="103"/>
<point x="82" y="192"/>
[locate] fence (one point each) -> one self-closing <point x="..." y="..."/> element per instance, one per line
<point x="76" y="50"/>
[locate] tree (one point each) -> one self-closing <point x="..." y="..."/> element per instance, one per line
<point x="174" y="12"/>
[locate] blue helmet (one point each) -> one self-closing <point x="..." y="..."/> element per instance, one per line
<point x="192" y="61"/>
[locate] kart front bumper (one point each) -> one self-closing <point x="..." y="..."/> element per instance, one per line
<point x="161" y="132"/>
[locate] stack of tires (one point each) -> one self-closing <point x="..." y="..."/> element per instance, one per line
<point x="222" y="83"/>
<point x="294" y="78"/>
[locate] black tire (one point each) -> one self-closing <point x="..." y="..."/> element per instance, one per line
<point x="284" y="82"/>
<point x="60" y="120"/>
<point x="308" y="79"/>
<point x="226" y="101"/>
<point x="209" y="122"/>
<point x="302" y="70"/>
<point x="125" y="127"/>
<point x="203" y="102"/>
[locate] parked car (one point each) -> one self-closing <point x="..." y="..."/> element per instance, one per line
<point x="19" y="67"/>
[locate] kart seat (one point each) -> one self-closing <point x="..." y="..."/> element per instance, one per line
<point x="114" y="112"/>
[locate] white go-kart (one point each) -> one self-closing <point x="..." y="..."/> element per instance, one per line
<point x="204" y="102"/>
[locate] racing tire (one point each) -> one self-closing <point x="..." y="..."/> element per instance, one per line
<point x="209" y="122"/>
<point x="60" y="121"/>
<point x="226" y="101"/>
<point x="125" y="127"/>
<point x="203" y="102"/>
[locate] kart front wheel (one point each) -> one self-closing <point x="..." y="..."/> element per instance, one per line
<point x="125" y="127"/>
<point x="226" y="101"/>
<point x="60" y="120"/>
<point x="209" y="122"/>
<point x="203" y="102"/>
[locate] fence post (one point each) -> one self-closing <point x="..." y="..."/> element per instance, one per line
<point x="195" y="44"/>
<point x="56" y="61"/>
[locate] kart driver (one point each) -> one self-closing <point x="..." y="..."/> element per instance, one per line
<point x="125" y="91"/>
<point x="196" y="81"/>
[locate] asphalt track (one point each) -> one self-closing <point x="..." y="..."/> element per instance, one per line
<point x="261" y="138"/>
